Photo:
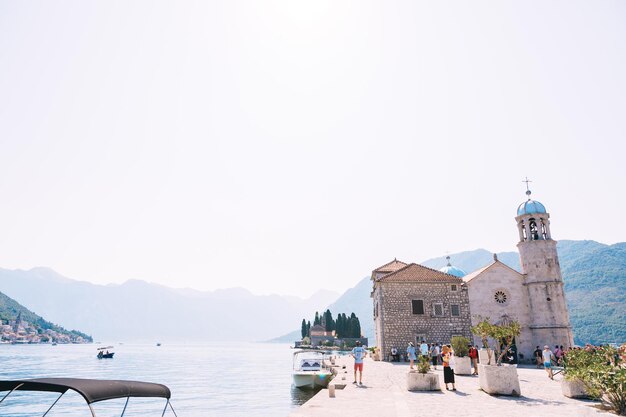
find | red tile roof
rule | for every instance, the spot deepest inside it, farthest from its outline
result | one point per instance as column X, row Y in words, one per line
column 419, row 273
column 391, row 266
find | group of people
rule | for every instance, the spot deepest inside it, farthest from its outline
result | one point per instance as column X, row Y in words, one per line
column 436, row 352
column 548, row 358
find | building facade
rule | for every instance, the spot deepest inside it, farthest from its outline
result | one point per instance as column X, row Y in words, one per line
column 414, row 303
column 534, row 297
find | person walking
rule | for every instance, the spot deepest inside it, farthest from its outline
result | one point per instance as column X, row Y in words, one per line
column 548, row 357
column 538, row 357
column 410, row 353
column 358, row 353
column 448, row 372
column 473, row 354
column 434, row 354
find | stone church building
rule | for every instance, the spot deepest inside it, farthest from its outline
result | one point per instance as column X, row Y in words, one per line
column 413, row 302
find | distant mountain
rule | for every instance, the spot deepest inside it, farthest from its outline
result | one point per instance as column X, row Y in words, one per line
column 11, row 311
column 595, row 287
column 141, row 311
column 594, row 275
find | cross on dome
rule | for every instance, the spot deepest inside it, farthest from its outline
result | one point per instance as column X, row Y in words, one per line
column 528, row 192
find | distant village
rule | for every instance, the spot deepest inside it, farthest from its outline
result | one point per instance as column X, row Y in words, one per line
column 19, row 331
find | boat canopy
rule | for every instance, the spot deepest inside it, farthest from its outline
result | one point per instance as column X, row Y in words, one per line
column 92, row 390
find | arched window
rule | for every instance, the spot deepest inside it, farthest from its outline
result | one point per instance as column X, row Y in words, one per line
column 534, row 232
column 544, row 229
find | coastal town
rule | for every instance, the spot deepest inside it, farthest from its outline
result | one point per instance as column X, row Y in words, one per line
column 20, row 331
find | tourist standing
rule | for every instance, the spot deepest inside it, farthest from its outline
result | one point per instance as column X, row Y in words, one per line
column 434, row 354
column 358, row 353
column 448, row 372
column 473, row 354
column 557, row 354
column 410, row 353
column 394, row 355
column 424, row 349
column 538, row 357
column 548, row 357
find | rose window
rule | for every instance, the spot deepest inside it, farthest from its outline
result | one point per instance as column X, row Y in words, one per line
column 500, row 297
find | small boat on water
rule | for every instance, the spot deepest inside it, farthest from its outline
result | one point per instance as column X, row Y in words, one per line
column 105, row 352
column 92, row 390
column 309, row 370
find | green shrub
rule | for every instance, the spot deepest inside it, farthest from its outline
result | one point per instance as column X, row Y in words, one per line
column 459, row 345
column 603, row 371
column 423, row 365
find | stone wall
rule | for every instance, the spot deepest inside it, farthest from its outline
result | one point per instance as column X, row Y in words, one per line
column 396, row 325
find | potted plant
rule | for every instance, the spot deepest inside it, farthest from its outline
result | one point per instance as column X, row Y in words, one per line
column 462, row 362
column 423, row 379
column 496, row 378
column 482, row 330
column 602, row 371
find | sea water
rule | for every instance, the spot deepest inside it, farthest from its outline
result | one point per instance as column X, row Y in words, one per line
column 216, row 379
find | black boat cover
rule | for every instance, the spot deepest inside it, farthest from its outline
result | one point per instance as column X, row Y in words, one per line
column 92, row 390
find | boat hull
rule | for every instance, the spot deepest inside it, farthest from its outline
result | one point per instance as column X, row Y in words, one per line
column 311, row 380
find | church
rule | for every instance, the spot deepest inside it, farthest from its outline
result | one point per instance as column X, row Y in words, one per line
column 414, row 303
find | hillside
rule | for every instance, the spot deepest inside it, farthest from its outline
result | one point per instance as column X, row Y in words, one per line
column 33, row 325
column 594, row 287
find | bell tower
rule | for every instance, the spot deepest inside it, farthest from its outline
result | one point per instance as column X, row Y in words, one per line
column 549, row 318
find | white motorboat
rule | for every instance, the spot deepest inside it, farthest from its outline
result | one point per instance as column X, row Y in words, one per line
column 309, row 370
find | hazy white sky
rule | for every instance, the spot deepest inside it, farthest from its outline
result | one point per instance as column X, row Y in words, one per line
column 286, row 146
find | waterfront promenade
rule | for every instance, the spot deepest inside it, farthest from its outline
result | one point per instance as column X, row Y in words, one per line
column 384, row 394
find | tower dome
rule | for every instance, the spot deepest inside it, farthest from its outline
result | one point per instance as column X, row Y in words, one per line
column 531, row 207
column 452, row 270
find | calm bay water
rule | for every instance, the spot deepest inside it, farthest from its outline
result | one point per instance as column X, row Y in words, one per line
column 217, row 379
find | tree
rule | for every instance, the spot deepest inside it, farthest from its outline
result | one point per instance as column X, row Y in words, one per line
column 308, row 328
column 317, row 319
column 357, row 327
column 328, row 321
column 303, row 331
column 339, row 326
column 503, row 334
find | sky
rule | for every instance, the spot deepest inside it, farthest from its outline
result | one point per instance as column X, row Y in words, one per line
column 286, row 146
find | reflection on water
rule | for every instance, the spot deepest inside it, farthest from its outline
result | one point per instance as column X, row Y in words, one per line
column 301, row 395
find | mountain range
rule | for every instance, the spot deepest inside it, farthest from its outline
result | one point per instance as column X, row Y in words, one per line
column 594, row 276
column 141, row 311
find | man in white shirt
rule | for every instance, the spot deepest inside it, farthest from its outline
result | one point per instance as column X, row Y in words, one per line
column 548, row 357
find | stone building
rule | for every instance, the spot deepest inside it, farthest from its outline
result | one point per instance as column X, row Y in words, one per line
column 534, row 297
column 414, row 303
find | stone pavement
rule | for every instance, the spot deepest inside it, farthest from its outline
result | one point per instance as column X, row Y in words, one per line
column 384, row 394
